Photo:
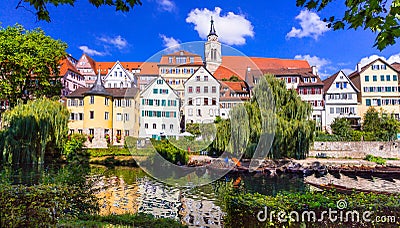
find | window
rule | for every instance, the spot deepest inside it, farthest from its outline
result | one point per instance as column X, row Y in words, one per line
column 163, row 126
column 375, row 67
column 394, row 77
column 382, row 77
column 126, row 116
column 80, row 131
column 374, row 78
column 383, row 67
column 155, row 91
column 205, row 78
column 366, row 78
column 190, row 101
column 368, row 102
column 337, row 84
column 154, row 126
column 146, row 125
column 91, row 131
column 91, row 115
column 106, row 99
column 191, row 59
column 190, row 89
column 305, row 80
column 214, row 89
column 198, row 112
column 331, row 110
column 198, row 101
column 205, row 101
column 214, row 101
column 163, row 103
column 126, row 132
column 119, row 116
column 80, row 116
column 106, row 114
column 197, row 78
column 91, row 100
column 205, row 89
column 387, row 77
column 190, row 112
column 197, row 89
column 170, row 60
column 81, row 102
column 159, row 81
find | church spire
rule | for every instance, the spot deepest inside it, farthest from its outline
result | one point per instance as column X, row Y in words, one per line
column 98, row 87
column 212, row 29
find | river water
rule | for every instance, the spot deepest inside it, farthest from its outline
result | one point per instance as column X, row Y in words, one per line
column 130, row 190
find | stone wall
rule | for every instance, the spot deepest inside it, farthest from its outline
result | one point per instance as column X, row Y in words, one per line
column 356, row 149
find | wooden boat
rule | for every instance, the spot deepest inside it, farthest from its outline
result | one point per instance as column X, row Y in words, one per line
column 346, row 190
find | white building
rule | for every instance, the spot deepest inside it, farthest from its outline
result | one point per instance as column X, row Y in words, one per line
column 340, row 100
column 119, row 77
column 71, row 79
column 201, row 97
column 159, row 110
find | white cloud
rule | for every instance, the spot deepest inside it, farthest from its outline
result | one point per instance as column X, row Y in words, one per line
column 170, row 42
column 118, row 41
column 392, row 59
column 166, row 5
column 314, row 60
column 311, row 26
column 231, row 28
column 91, row 52
column 347, row 71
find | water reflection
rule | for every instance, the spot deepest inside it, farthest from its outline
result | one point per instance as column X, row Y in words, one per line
column 123, row 190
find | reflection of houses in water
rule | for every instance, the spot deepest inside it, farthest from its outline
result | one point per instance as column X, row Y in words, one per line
column 200, row 213
column 149, row 196
column 115, row 196
column 158, row 199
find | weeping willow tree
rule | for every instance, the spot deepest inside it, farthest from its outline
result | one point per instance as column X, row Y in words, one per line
column 275, row 116
column 33, row 129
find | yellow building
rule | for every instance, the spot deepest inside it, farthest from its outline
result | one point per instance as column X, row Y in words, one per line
column 378, row 87
column 107, row 116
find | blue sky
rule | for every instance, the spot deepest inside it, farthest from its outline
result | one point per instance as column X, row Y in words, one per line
column 256, row 28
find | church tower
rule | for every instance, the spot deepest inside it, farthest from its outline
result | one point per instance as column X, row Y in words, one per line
column 212, row 50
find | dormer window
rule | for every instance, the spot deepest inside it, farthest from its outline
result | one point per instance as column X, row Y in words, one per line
column 313, row 79
column 375, row 67
column 306, row 80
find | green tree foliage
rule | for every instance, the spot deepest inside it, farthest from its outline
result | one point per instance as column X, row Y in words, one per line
column 33, row 129
column 29, row 64
column 341, row 127
column 380, row 126
column 289, row 121
column 73, row 148
column 42, row 12
column 380, row 16
column 193, row 128
column 170, row 152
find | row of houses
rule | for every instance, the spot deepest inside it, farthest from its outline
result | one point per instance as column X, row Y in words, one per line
column 154, row 99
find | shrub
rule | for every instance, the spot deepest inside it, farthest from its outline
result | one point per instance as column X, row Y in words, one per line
column 170, row 152
column 377, row 160
column 111, row 151
column 73, row 148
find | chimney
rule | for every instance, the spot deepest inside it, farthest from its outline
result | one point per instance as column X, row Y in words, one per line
column 359, row 67
column 314, row 70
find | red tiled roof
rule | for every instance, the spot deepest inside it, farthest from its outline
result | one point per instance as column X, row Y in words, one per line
column 149, row 68
column 127, row 65
column 66, row 65
column 235, row 86
column 240, row 64
column 396, row 66
column 224, row 73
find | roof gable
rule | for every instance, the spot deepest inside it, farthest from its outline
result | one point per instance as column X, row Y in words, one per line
column 328, row 82
column 199, row 70
column 115, row 68
column 148, row 89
